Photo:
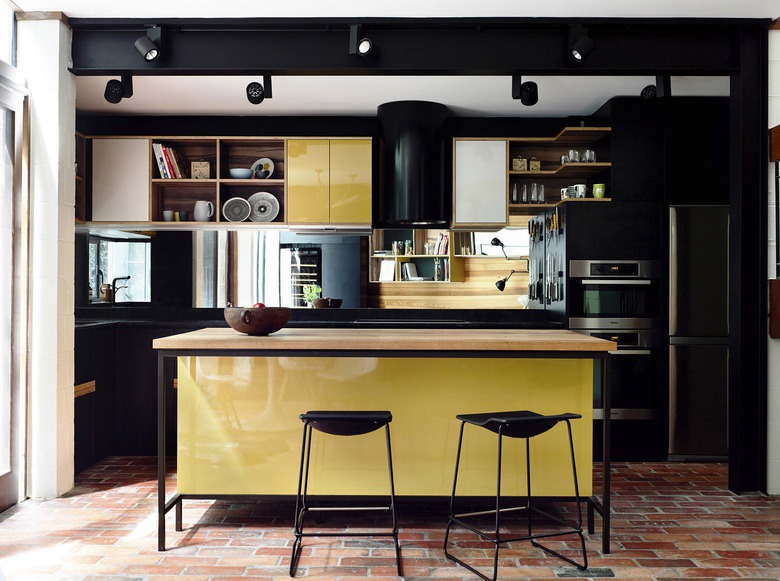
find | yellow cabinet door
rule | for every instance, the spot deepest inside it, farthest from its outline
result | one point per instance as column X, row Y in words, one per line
column 308, row 181
column 350, row 181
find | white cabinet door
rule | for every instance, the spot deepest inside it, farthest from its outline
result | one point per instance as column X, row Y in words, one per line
column 120, row 180
column 481, row 174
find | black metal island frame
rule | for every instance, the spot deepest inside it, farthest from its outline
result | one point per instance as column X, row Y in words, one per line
column 239, row 398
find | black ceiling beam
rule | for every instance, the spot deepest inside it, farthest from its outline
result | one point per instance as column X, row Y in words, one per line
column 410, row 47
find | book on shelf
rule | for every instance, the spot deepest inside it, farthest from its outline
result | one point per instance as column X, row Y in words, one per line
column 180, row 165
column 409, row 271
column 442, row 243
column 387, row 270
column 160, row 159
column 169, row 162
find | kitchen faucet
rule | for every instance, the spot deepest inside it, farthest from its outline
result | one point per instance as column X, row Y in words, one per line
column 114, row 288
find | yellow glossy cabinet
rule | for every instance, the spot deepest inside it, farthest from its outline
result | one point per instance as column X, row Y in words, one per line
column 329, row 181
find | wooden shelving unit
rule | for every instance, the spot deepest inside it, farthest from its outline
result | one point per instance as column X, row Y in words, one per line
column 552, row 174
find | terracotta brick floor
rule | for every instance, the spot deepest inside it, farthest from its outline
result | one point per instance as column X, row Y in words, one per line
column 671, row 521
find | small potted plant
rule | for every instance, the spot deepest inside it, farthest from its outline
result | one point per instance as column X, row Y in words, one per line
column 311, row 292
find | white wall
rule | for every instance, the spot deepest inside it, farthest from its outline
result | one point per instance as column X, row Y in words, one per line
column 43, row 50
column 773, row 355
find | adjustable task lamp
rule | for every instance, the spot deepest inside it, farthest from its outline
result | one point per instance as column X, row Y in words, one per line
column 501, row 284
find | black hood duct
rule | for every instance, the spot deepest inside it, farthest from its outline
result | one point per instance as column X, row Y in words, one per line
column 412, row 188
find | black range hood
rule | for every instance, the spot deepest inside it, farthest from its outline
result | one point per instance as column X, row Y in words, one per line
column 412, row 163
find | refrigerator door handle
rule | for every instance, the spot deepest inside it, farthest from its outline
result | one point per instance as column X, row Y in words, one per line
column 621, row 281
column 632, row 352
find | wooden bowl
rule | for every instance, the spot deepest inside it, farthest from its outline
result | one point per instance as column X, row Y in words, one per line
column 262, row 321
column 327, row 303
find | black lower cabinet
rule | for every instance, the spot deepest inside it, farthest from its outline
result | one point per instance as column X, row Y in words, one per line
column 119, row 418
column 136, row 389
column 93, row 411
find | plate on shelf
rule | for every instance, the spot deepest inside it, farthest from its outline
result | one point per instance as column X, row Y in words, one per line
column 263, row 164
column 236, row 210
column 264, row 207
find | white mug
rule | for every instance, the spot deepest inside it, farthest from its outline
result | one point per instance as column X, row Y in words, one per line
column 203, row 211
column 580, row 189
column 168, row 215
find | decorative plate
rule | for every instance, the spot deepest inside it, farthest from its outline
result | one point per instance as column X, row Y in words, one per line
column 236, row 210
column 263, row 164
column 264, row 207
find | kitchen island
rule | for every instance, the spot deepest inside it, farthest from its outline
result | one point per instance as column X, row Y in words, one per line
column 239, row 398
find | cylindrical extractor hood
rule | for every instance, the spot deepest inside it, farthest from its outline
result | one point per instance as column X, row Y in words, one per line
column 412, row 189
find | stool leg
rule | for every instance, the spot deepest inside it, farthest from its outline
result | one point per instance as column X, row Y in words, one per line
column 576, row 530
column 300, row 498
column 392, row 500
column 452, row 496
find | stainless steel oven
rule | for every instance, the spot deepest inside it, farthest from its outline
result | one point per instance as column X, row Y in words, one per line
column 615, row 294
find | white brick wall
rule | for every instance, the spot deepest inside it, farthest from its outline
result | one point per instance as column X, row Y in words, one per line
column 43, row 58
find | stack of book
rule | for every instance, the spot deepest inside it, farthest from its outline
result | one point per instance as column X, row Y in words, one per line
column 442, row 243
column 169, row 162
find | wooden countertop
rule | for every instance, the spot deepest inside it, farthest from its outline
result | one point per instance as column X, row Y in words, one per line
column 389, row 339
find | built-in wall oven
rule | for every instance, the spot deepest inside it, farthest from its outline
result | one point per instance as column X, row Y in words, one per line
column 619, row 300
column 616, row 294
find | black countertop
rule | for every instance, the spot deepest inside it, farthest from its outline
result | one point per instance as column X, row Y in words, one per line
column 367, row 318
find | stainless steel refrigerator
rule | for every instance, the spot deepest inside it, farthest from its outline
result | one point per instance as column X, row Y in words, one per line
column 698, row 332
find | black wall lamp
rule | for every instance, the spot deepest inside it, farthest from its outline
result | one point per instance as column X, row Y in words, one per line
column 149, row 45
column 527, row 92
column 118, row 90
column 501, row 284
column 360, row 45
column 580, row 44
column 256, row 92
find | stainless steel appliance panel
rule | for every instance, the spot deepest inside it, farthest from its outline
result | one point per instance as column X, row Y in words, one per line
column 698, row 383
column 698, row 271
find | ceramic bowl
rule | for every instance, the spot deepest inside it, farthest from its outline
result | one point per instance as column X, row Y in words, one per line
column 241, row 173
column 327, row 303
column 262, row 321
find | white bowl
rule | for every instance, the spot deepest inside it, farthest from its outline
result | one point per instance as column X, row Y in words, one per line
column 241, row 173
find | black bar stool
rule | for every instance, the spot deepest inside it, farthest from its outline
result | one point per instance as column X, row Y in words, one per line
column 341, row 423
column 518, row 424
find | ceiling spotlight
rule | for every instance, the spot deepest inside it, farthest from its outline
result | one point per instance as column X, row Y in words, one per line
column 149, row 45
column 662, row 88
column 648, row 92
column 527, row 92
column 118, row 90
column 580, row 44
column 360, row 45
column 256, row 92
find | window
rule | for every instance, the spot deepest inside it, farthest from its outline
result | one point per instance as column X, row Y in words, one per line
column 119, row 270
column 7, row 34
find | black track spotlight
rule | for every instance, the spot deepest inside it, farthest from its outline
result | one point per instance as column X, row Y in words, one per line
column 117, row 90
column 527, row 92
column 661, row 89
column 580, row 44
column 257, row 93
column 501, row 283
column 360, row 45
column 150, row 44
column 649, row 92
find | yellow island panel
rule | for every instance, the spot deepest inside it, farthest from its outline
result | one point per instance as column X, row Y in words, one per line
column 239, row 431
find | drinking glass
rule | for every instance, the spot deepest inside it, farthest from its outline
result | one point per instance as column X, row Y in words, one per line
column 534, row 194
column 590, row 156
column 541, row 194
column 574, row 156
column 525, row 193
